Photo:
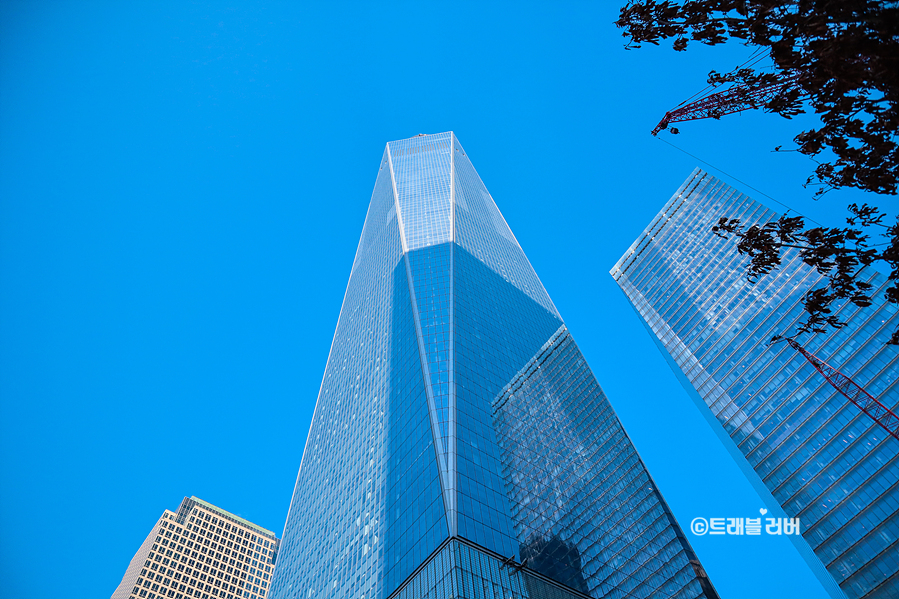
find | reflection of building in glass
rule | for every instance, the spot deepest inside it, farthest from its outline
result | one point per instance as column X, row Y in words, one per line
column 458, row 423
column 200, row 552
column 556, row 559
column 802, row 444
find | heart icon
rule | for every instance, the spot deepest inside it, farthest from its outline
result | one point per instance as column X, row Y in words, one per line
column 763, row 511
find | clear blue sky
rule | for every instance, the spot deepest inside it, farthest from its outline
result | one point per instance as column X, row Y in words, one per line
column 182, row 187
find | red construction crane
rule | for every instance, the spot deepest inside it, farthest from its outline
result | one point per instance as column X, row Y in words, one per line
column 734, row 99
column 864, row 400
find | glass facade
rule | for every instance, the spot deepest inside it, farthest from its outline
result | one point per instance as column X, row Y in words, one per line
column 460, row 445
column 802, row 444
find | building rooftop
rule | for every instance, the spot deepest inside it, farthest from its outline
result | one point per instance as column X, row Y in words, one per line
column 232, row 516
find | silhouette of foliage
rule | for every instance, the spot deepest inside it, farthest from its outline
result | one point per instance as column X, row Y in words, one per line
column 839, row 254
column 840, row 57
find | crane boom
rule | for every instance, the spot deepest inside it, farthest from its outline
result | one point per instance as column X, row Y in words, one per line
column 853, row 392
column 734, row 99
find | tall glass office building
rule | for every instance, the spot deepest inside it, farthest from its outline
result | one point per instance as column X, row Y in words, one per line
column 460, row 445
column 802, row 444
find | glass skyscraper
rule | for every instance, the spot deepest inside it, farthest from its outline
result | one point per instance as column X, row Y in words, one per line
column 460, row 445
column 803, row 445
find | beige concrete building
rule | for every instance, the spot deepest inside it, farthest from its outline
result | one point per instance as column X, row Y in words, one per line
column 201, row 552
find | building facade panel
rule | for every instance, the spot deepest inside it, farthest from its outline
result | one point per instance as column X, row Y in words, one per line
column 423, row 176
column 482, row 231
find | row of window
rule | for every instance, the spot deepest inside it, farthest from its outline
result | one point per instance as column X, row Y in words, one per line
column 206, row 520
column 157, row 577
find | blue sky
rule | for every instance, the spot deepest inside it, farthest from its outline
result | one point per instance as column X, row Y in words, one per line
column 182, row 187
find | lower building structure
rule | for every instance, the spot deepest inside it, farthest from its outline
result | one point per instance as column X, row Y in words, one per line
column 201, row 551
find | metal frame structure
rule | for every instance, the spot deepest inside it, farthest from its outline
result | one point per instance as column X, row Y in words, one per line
column 853, row 392
column 734, row 99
